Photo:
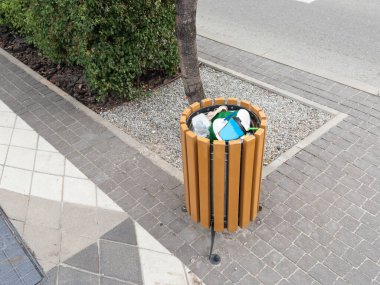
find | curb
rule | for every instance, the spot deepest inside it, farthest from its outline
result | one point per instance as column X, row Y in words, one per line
column 158, row 161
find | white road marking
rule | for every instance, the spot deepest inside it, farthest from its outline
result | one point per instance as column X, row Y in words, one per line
column 306, row 1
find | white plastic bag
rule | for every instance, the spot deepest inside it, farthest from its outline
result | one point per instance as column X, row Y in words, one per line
column 201, row 125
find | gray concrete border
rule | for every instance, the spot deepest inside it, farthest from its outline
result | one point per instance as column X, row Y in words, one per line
column 338, row 116
column 158, row 161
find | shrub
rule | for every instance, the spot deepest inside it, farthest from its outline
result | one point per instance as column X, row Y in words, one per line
column 115, row 42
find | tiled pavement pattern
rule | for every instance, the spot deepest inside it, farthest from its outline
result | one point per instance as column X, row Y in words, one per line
column 320, row 222
column 29, row 165
column 60, row 212
column 17, row 265
column 127, row 254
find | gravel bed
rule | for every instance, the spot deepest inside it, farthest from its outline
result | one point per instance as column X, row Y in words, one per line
column 153, row 119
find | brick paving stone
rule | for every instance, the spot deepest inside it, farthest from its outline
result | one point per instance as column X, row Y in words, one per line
column 268, row 276
column 294, row 253
column 273, row 258
column 285, row 267
column 306, row 243
column 356, row 277
column 214, row 278
column 252, row 264
column 300, row 278
column 353, row 257
column 370, row 269
column 234, row 272
column 306, row 262
column 261, row 248
column 289, row 231
column 369, row 250
column 338, row 265
column 171, row 241
column 249, row 280
column 322, row 274
column 186, row 254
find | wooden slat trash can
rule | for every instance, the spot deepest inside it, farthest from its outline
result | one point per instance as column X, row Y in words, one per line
column 222, row 179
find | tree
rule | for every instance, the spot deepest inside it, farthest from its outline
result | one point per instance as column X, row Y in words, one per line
column 186, row 33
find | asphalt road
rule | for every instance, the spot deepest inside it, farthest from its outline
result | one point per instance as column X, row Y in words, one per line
column 338, row 39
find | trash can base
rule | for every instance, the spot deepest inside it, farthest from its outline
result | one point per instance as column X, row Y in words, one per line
column 215, row 259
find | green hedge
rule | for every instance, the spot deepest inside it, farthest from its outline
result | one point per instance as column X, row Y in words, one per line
column 115, row 41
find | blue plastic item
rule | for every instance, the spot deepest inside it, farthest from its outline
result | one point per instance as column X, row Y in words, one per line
column 231, row 131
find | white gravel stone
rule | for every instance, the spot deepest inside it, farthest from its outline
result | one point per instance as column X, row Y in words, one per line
column 154, row 119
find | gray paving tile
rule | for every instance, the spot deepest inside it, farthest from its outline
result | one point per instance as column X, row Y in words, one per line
column 17, row 264
column 234, row 272
column 268, row 276
column 70, row 276
column 214, row 278
column 120, row 261
column 322, row 274
column 51, row 277
column 125, row 232
column 249, row 280
column 299, row 278
column 252, row 264
column 356, row 277
column 87, row 259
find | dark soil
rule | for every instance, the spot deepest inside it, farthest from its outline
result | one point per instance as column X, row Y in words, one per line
column 71, row 78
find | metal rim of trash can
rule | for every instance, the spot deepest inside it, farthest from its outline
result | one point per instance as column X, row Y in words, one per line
column 231, row 202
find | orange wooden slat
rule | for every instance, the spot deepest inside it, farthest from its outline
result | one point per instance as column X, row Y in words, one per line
column 234, row 156
column 206, row 102
column 257, row 170
column 263, row 124
column 204, row 180
column 245, row 104
column 219, row 101
column 187, row 112
column 232, row 101
column 255, row 109
column 218, row 185
column 262, row 115
column 246, row 181
column 192, row 168
column 182, row 120
column 195, row 107
column 183, row 130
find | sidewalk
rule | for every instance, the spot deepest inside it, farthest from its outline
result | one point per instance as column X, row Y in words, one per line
column 78, row 234
column 321, row 212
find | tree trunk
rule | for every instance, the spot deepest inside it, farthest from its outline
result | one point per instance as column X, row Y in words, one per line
column 186, row 32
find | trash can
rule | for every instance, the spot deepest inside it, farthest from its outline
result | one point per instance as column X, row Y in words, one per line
column 222, row 179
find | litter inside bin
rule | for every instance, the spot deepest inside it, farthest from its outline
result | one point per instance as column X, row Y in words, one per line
column 232, row 130
column 212, row 114
column 201, row 125
column 245, row 118
column 221, row 124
